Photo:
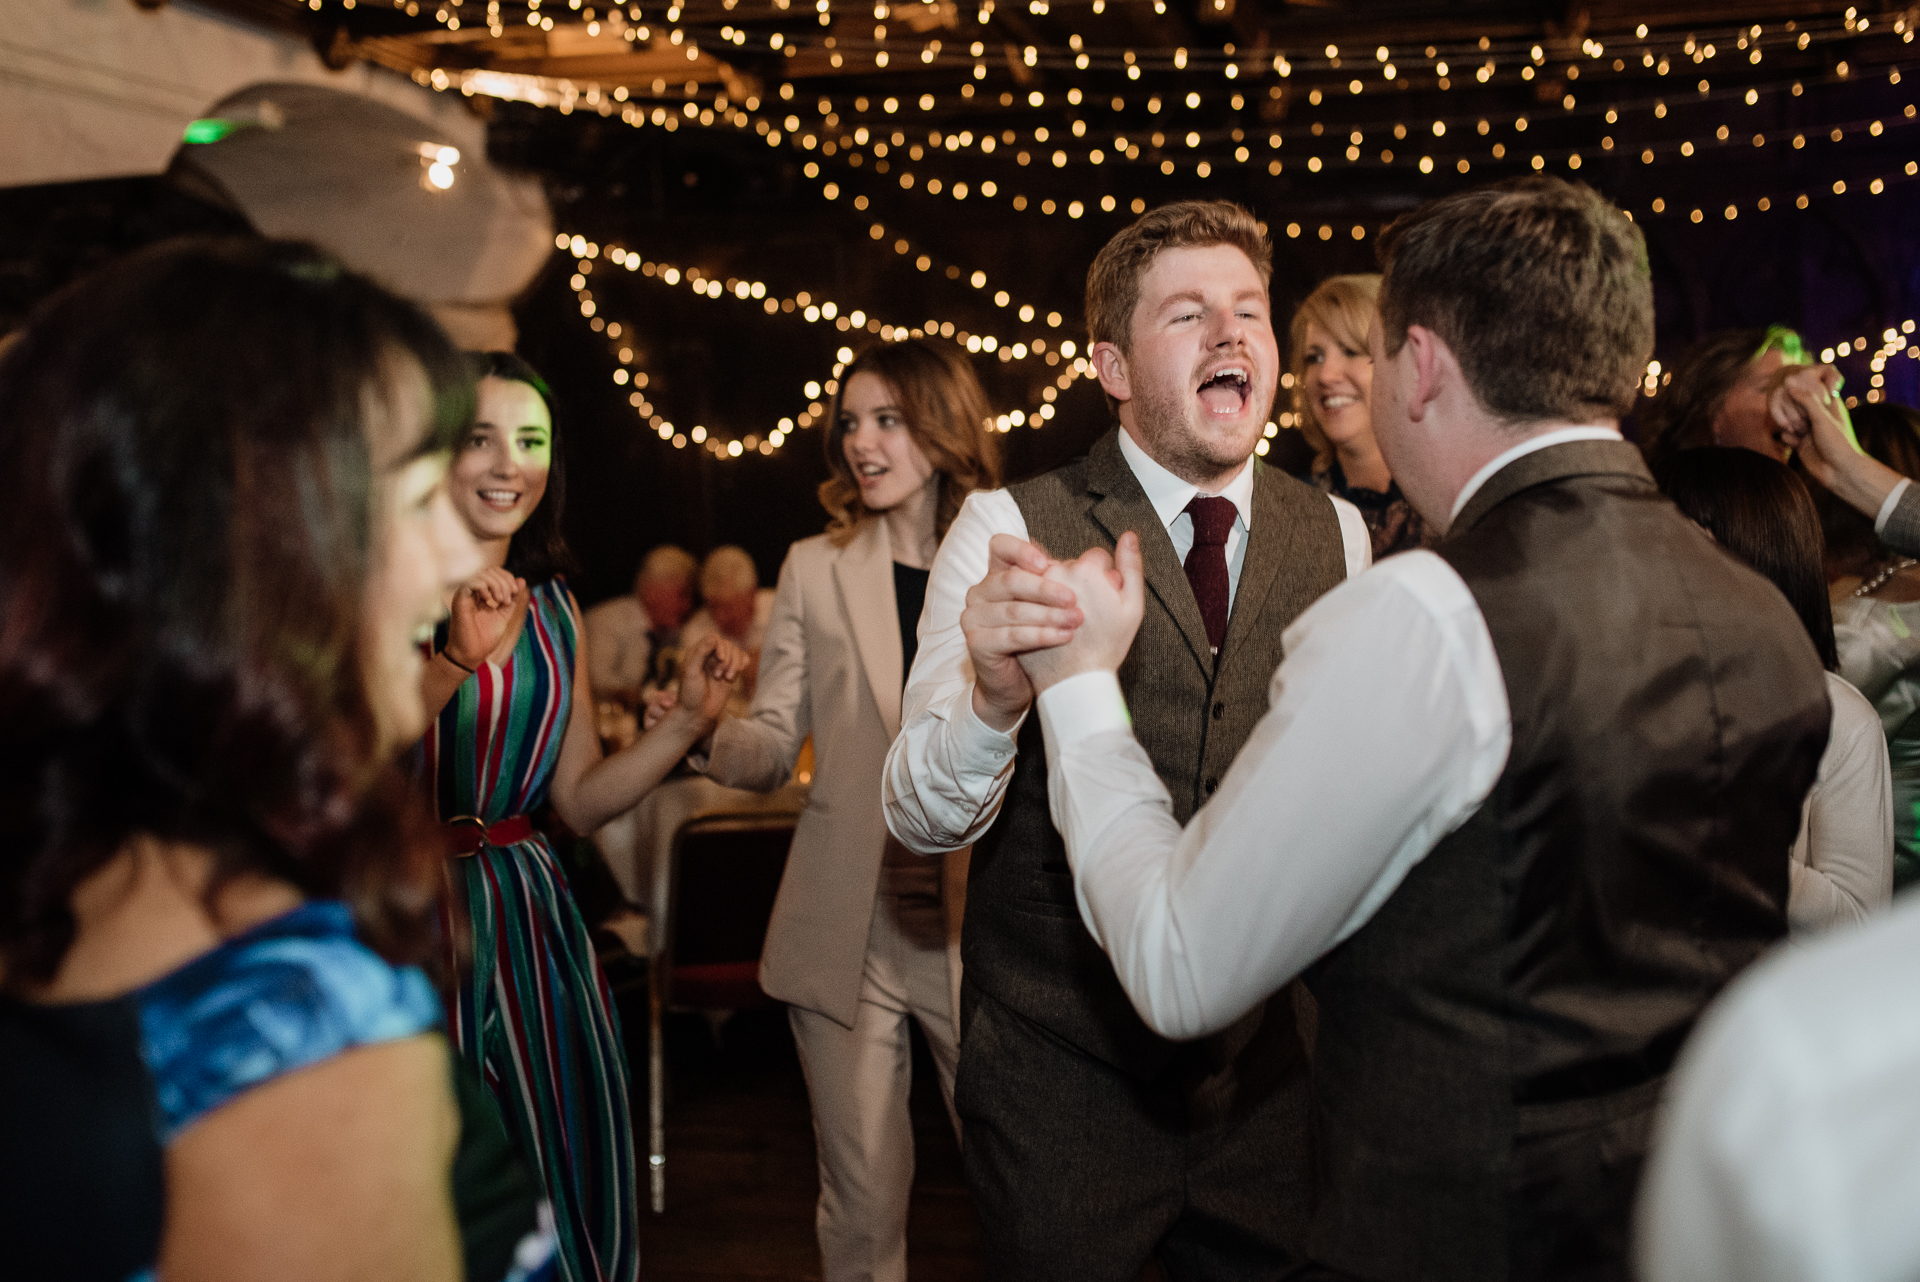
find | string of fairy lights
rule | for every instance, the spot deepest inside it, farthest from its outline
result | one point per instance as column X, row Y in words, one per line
column 1478, row 59
column 817, row 308
column 849, row 146
column 1895, row 341
column 864, row 146
column 1061, row 353
column 1572, row 159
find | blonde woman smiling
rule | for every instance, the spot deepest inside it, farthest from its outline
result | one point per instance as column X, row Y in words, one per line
column 1332, row 390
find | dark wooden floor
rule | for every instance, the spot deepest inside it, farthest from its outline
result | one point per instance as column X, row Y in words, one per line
column 741, row 1180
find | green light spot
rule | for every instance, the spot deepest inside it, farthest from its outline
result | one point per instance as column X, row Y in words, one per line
column 211, row 130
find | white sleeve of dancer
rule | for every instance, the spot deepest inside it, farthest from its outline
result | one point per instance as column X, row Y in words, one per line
column 1386, row 727
column 947, row 770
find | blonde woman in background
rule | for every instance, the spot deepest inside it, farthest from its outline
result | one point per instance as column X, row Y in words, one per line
column 1332, row 388
column 865, row 934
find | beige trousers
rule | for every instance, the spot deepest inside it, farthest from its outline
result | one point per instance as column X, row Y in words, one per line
column 858, row 1078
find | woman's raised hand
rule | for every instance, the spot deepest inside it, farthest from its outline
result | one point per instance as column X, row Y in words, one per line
column 483, row 610
column 1805, row 403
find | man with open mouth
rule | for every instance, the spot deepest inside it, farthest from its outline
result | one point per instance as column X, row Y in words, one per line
column 1092, row 1143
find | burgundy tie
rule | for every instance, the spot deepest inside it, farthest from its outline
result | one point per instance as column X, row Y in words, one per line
column 1207, row 562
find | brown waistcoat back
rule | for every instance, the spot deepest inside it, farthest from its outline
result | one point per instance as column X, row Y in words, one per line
column 1493, row 1041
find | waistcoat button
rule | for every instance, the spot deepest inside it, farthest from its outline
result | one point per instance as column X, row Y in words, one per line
column 1211, row 784
column 1219, row 710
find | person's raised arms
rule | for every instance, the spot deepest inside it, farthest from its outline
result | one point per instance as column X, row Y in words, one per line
column 1014, row 609
column 1805, row 402
column 1311, row 828
column 948, row 768
column 589, row 789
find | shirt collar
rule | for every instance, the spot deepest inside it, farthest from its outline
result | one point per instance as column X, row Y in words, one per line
column 1559, row 436
column 1170, row 495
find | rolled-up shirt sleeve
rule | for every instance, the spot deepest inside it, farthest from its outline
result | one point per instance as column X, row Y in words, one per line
column 1387, row 726
column 947, row 770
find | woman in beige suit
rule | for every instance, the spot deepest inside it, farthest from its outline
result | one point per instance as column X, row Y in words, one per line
column 865, row 934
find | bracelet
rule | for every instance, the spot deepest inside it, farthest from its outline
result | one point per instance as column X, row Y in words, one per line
column 456, row 663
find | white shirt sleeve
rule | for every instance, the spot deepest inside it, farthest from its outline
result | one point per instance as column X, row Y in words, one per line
column 1387, row 726
column 1842, row 865
column 1354, row 539
column 947, row 770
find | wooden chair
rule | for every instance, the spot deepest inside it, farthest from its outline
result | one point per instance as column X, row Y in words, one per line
column 713, row 898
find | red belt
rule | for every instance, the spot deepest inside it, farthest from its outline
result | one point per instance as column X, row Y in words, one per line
column 467, row 833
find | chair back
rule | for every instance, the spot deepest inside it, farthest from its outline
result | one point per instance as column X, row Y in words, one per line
column 726, row 871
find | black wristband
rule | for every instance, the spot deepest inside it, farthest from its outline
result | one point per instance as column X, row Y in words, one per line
column 456, row 663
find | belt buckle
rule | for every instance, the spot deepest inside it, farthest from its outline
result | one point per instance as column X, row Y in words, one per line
column 462, row 825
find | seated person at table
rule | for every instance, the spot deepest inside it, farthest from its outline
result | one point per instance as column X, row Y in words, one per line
column 634, row 640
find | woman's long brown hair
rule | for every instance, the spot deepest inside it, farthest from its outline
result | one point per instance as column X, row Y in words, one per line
column 946, row 412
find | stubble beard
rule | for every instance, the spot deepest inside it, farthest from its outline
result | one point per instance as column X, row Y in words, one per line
column 1166, row 417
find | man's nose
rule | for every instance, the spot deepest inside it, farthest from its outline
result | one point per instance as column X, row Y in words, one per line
column 1228, row 329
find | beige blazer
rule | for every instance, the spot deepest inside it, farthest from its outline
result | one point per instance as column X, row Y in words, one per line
column 831, row 667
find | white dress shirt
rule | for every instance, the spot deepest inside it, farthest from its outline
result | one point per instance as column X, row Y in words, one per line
column 947, row 769
column 1786, row 1148
column 1386, row 727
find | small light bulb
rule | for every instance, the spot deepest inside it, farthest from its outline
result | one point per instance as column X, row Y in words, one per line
column 440, row 175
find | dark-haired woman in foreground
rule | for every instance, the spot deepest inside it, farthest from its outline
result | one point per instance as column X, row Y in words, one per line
column 1757, row 509
column 532, row 1010
column 226, row 523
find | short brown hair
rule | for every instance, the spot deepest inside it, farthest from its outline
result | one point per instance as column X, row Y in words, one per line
column 1343, row 306
column 1113, row 282
column 946, row 412
column 1541, row 288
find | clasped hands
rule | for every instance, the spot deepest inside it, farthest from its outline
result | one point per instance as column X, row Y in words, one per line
column 1034, row 621
column 708, row 672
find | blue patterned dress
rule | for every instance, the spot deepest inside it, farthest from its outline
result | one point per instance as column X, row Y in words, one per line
column 290, row 993
column 534, row 1013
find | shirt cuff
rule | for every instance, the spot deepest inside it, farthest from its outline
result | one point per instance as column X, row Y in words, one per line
column 1080, row 707
column 979, row 746
column 1893, row 501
